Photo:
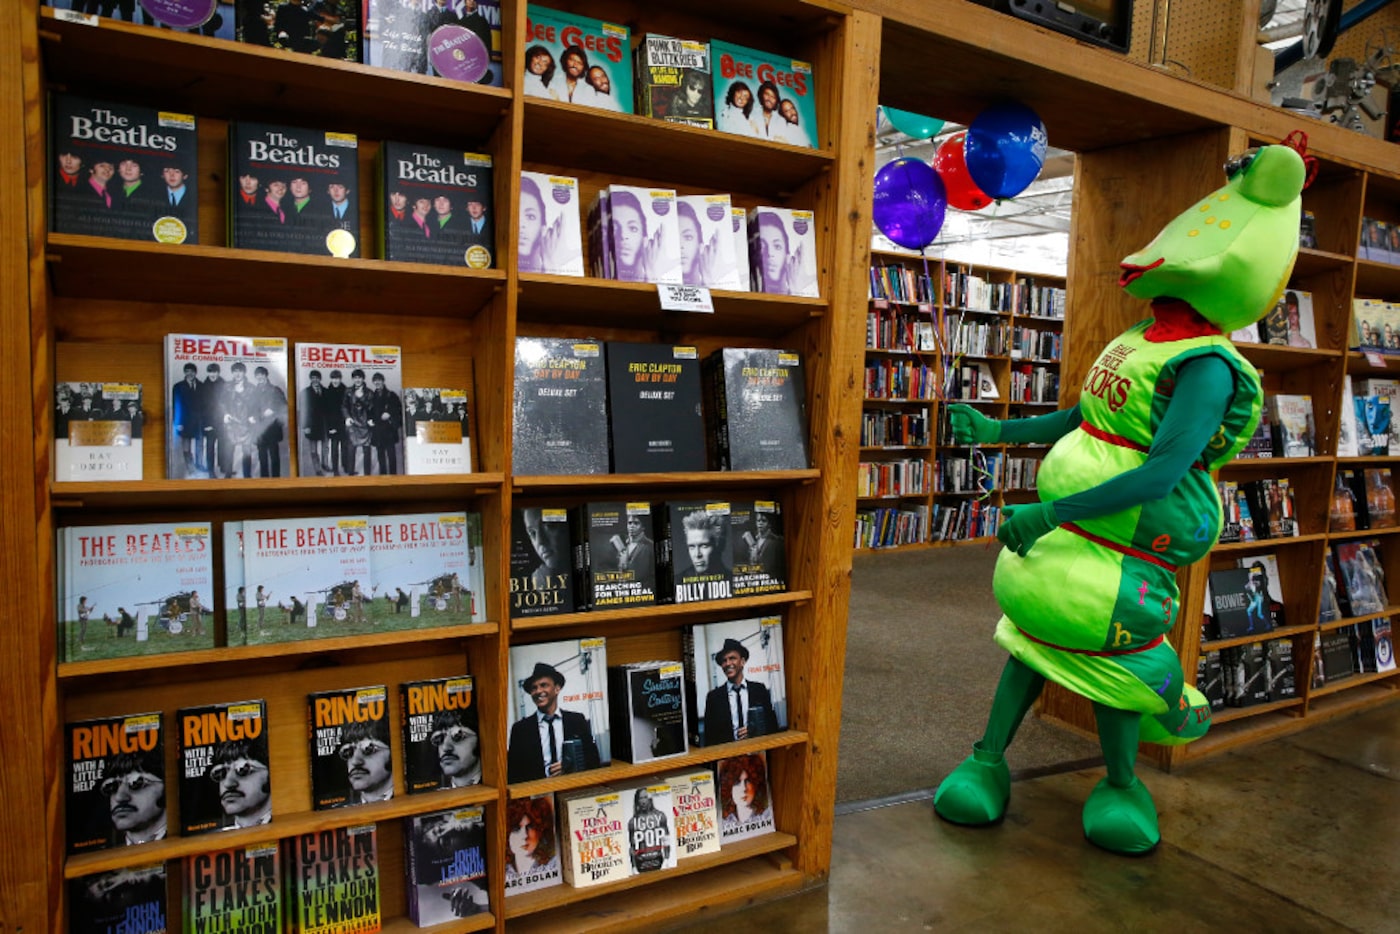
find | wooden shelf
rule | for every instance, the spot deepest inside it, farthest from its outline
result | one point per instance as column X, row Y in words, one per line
column 1311, row 262
column 1263, row 544
column 895, row 496
column 888, row 448
column 1283, row 632
column 1359, row 363
column 710, row 479
column 1273, row 464
column 133, row 270
column 875, row 401
column 1353, row 534
column 1377, row 280
column 1345, row 621
column 402, row 925
column 277, row 491
column 664, row 614
column 1229, row 714
column 1353, row 681
column 1273, row 357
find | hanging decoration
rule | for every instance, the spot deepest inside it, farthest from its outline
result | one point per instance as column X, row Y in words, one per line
column 951, row 166
column 912, row 125
column 1005, row 149
column 910, row 202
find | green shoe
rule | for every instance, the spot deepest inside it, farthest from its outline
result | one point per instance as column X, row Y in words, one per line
column 1122, row 820
column 976, row 792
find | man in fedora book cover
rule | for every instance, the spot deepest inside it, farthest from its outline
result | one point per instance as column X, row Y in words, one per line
column 547, row 742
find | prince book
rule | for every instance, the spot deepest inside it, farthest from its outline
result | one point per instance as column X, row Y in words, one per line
column 334, row 880
column 438, row 206
column 235, row 891
column 294, row 190
column 441, row 734
column 97, row 431
column 223, row 764
column 115, row 793
column 351, row 755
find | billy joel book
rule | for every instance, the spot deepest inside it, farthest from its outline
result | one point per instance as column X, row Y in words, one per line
column 293, row 190
column 437, row 430
column 352, row 758
column 655, row 423
column 369, row 420
column 541, row 562
column 560, row 408
column 127, row 900
column 426, row 570
column 97, row 431
column 224, row 768
column 116, row 170
column 757, row 417
column 441, row 734
column 334, row 880
column 577, row 60
column 234, row 891
column 763, row 95
column 694, row 809
column 648, row 710
column 760, row 551
column 673, row 80
column 115, row 794
column 438, row 206
column 697, row 558
column 446, row 865
column 614, row 555
column 307, row 578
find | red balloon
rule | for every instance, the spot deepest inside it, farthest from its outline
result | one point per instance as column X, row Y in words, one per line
column 951, row 166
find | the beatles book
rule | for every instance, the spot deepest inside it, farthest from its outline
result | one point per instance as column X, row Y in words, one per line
column 763, row 95
column 614, row 547
column 446, row 865
column 224, row 766
column 577, row 60
column 541, row 562
column 235, row 891
column 115, row 794
column 565, row 680
column 136, row 589
column 116, row 170
column 235, row 610
column 532, row 845
column 549, row 238
column 441, row 734
column 351, row 754
column 438, row 206
column 227, row 410
column 757, row 419
column 294, row 189
column 735, row 686
column 355, row 389
column 593, row 825
column 426, row 570
column 307, row 578
column 328, row 29
column 760, row 550
column 708, row 243
column 97, row 431
column 673, row 80
column 648, row 710
column 783, row 251
column 745, row 797
column 694, row 808
column 334, row 881
column 437, row 431
column 456, row 39
column 126, row 900
column 655, row 423
column 696, row 558
column 560, row 408
column 651, row 826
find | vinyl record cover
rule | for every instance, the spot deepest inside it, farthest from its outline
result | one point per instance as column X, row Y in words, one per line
column 335, row 880
column 757, row 419
column 614, row 547
column 352, row 759
column 708, row 243
column 330, row 29
column 97, row 431
column 371, row 409
column 651, row 826
column 441, row 734
column 765, row 96
column 655, row 420
column 648, row 710
column 132, row 899
column 457, row 39
column 783, row 252
column 593, row 825
column 224, row 768
column 673, row 80
column 532, row 845
column 744, row 653
column 745, row 797
column 425, row 570
column 115, row 792
column 293, row 189
column 693, row 806
column 549, row 235
column 697, row 562
column 541, row 562
column 560, row 407
column 116, row 170
column 568, row 679
column 236, row 891
column 437, row 431
column 307, row 577
column 577, row 60
column 760, row 550
column 438, row 206
column 446, row 865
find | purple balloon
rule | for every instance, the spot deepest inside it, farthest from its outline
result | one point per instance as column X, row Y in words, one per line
column 910, row 202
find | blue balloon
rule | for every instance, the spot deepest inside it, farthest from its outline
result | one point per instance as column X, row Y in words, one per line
column 912, row 125
column 1005, row 149
column 910, row 202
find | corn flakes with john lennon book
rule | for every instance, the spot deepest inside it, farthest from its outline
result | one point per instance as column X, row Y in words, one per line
column 437, row 206
column 334, row 881
column 763, row 95
column 577, row 60
column 235, row 891
column 294, row 190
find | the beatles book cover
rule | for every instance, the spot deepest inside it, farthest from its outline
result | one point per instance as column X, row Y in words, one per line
column 549, row 239
column 326, row 29
column 349, row 409
column 745, row 797
column 224, row 767
column 116, row 170
column 764, row 96
column 211, row 18
column 136, row 589
column 446, row 865
column 783, row 252
column 593, row 825
column 708, row 242
column 335, row 880
column 426, row 570
column 757, row 419
column 293, row 189
column 735, row 684
column 541, row 562
column 760, row 550
column 648, row 710
column 651, row 826
column 131, row 899
column 696, row 559
column 456, row 39
column 352, row 758
column 437, row 206
column 441, row 734
column 437, row 431
column 235, row 891
column 693, row 806
column 654, row 415
column 532, row 845
column 307, row 577
column 577, row 60
column 567, row 679
column 226, row 415
column 560, row 408
column 116, row 788
column 235, row 609
column 673, row 80
column 97, row 431
column 614, row 555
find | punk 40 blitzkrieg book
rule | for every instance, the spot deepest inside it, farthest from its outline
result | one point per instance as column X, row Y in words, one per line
column 351, row 755
column 294, row 190
column 224, row 767
column 673, row 80
column 438, row 206
column 116, row 787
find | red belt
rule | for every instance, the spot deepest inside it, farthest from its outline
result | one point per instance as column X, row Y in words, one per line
column 1122, row 442
column 1115, row 546
column 1099, row 653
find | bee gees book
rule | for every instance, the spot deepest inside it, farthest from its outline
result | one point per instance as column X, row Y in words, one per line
column 456, row 39
column 673, row 80
column 225, row 780
column 97, row 431
column 307, row 578
column 560, row 408
column 763, row 95
column 654, row 417
column 116, row 788
column 532, row 845
column 294, row 190
column 351, row 754
column 131, row 899
column 577, row 60
column 446, row 856
column 116, row 170
column 696, row 557
column 369, row 421
column 426, row 570
column 541, row 562
column 614, row 547
column 760, row 550
column 441, row 734
column 437, row 431
column 648, row 710
column 437, row 206
column 335, row 880
column 757, row 419
column 235, row 891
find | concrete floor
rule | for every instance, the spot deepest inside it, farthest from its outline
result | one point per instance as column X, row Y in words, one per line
column 1301, row 834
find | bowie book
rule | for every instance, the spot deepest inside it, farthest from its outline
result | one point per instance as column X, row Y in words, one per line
column 97, row 431
column 757, row 416
column 577, row 60
column 760, row 552
column 694, row 808
column 131, row 900
column 446, row 865
column 334, row 880
column 655, row 423
column 614, row 547
column 763, row 95
column 426, row 570
column 438, row 206
column 330, row 29
column 651, row 825
column 456, row 39
column 293, row 189
column 567, row 679
column 441, row 734
column 593, row 825
column 560, row 408
column 541, row 562
column 532, row 845
column 370, row 416
column 351, row 755
column 136, row 589
column 1230, row 601
column 116, row 170
column 648, row 710
column 633, row 235
column 234, row 891
column 745, row 797
column 746, row 654
column 223, row 763
column 708, row 243
column 437, row 431
column 235, row 594
column 1265, row 590
column 783, row 251
column 549, row 237
column 307, row 578
column 232, row 422
column 116, row 789
column 672, row 80
column 696, row 558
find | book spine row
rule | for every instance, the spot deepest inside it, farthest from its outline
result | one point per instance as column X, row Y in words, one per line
column 978, row 338
column 900, row 379
column 893, row 478
column 964, row 521
column 894, row 429
column 1037, row 345
column 889, row 527
column 900, row 284
column 1030, row 383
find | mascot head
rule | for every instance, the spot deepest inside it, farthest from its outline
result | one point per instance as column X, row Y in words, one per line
column 1229, row 255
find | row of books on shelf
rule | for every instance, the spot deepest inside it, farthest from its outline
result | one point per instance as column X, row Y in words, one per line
column 1257, row 509
column 888, row 527
column 1020, row 473
column 910, row 477
column 1380, row 241
column 901, row 379
column 1023, row 297
column 898, row 329
column 1362, row 648
column 887, row 428
column 974, row 382
column 975, row 472
column 979, row 338
column 1245, row 675
column 1034, row 383
column 1365, row 428
column 899, row 283
column 1036, row 345
column 1362, row 499
column 1286, row 428
column 1290, row 323
column 968, row 519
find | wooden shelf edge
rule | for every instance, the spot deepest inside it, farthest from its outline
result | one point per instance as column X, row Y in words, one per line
column 481, row 922
column 1283, row 632
column 1266, row 543
column 670, row 610
column 529, row 484
column 1354, row 681
column 67, row 494
column 1390, row 610
column 1234, row 714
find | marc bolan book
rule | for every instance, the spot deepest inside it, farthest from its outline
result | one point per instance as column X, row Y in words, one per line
column 234, row 891
column 136, row 589
column 128, row 900
column 567, row 679
column 709, row 247
column 633, row 235
column 116, row 789
column 116, row 170
column 97, row 431
column 307, row 578
column 441, row 734
column 330, row 29
column 437, row 431
column 651, row 826
column 293, row 190
column 764, row 96
column 224, row 766
column 673, row 80
column 757, row 419
column 352, row 758
column 426, row 570
column 745, row 797
column 648, row 710
column 655, row 420
column 560, row 408
column 541, row 562
column 532, row 845
column 593, row 825
column 694, row 808
column 334, row 880
column 746, row 654
column 697, row 552
column 614, row 546
column 577, row 60
column 363, row 434
column 437, row 207
column 226, row 414
column 446, row 865
column 456, row 39
column 783, row 251
column 549, row 237
column 760, row 548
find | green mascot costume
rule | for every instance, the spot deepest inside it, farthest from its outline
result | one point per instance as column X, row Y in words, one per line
column 1087, row 581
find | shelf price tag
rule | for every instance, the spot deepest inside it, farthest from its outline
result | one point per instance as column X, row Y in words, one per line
column 1375, row 359
column 685, row 298
column 73, row 16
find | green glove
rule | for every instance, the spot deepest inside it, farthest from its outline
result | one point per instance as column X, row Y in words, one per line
column 972, row 427
column 1022, row 525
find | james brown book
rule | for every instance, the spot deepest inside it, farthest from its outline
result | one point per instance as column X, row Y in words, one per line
column 614, row 555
